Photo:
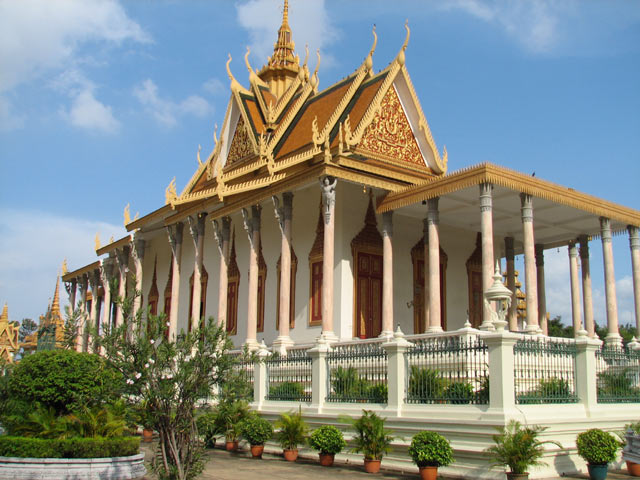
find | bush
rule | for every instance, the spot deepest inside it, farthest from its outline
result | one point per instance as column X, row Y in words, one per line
column 69, row 448
column 425, row 384
column 347, row 384
column 292, row 430
column 287, row 391
column 371, row 439
column 256, row 430
column 430, row 449
column 597, row 447
column 209, row 427
column 378, row 393
column 327, row 440
column 459, row 392
column 64, row 380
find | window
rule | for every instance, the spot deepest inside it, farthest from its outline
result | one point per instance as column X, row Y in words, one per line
column 262, row 281
column 474, row 276
column 153, row 291
column 292, row 292
column 233, row 276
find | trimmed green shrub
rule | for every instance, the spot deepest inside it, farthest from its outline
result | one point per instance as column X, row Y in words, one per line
column 64, row 380
column 327, row 440
column 425, row 384
column 378, row 393
column 69, row 448
column 287, row 391
column 459, row 392
column 430, row 449
column 597, row 447
column 256, row 430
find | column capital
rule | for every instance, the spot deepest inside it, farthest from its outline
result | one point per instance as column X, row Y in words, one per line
column 573, row 250
column 222, row 233
column 106, row 270
column 122, row 256
column 328, row 186
column 539, row 249
column 82, row 282
column 509, row 247
column 174, row 233
column 138, row 246
column 526, row 207
column 94, row 281
column 387, row 224
column 634, row 237
column 486, row 193
column 605, row 229
column 70, row 285
column 584, row 246
column 433, row 216
column 196, row 225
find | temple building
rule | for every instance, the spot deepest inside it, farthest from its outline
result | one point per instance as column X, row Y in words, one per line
column 332, row 212
column 8, row 336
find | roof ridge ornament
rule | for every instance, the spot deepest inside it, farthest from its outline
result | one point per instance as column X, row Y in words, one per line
column 235, row 85
column 314, row 77
column 401, row 58
column 369, row 59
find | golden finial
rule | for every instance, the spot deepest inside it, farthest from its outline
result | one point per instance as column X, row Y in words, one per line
column 97, row 242
column 65, row 269
column 127, row 214
column 369, row 60
column 314, row 77
column 55, row 304
column 400, row 57
column 4, row 318
column 306, row 55
column 246, row 60
column 215, row 135
column 235, row 86
column 170, row 193
column 198, row 155
column 111, row 239
column 136, row 216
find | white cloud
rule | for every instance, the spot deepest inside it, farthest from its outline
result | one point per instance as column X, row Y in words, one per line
column 533, row 24
column 165, row 111
column 30, row 265
column 310, row 24
column 214, row 86
column 89, row 113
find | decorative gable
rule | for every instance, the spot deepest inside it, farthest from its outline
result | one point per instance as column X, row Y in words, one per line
column 240, row 145
column 389, row 135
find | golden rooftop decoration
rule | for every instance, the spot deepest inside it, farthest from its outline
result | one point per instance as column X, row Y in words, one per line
column 97, row 241
column 127, row 214
column 8, row 336
column 65, row 268
column 170, row 193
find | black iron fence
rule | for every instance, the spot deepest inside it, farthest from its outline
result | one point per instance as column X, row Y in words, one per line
column 618, row 375
column 289, row 377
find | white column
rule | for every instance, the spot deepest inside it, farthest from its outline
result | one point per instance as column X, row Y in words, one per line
column 426, row 317
column 387, row 274
column 542, row 296
column 512, row 315
column 82, row 320
column 575, row 289
column 486, row 229
column 70, row 287
column 106, row 272
column 587, row 301
column 634, row 244
column 122, row 256
column 319, row 373
column 586, row 387
column 94, row 283
column 328, row 185
column 223, row 235
column 434, row 266
column 260, row 376
column 137, row 252
column 613, row 336
column 252, row 227
column 531, row 283
column 501, row 371
column 396, row 347
column 284, row 216
column 174, row 232
column 196, row 228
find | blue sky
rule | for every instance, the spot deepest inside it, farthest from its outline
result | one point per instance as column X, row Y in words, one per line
column 102, row 103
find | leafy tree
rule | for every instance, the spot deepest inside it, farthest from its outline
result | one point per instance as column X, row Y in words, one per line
column 171, row 376
column 72, row 322
column 27, row 327
column 64, row 380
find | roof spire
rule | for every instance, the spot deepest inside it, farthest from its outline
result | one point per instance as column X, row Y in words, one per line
column 5, row 314
column 55, row 304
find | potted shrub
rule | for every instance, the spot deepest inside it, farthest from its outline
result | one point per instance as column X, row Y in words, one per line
column 328, row 441
column 371, row 439
column 145, row 419
column 430, row 450
column 230, row 416
column 518, row 448
column 292, row 432
column 257, row 431
column 631, row 452
column 598, row 448
column 209, row 427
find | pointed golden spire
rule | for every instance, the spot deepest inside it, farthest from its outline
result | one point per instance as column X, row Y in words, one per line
column 4, row 318
column 55, row 304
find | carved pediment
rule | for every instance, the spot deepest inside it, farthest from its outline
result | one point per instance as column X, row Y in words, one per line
column 240, row 145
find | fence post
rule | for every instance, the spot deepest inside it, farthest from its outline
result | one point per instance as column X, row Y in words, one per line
column 586, row 371
column 501, row 370
column 319, row 374
column 396, row 347
column 260, row 376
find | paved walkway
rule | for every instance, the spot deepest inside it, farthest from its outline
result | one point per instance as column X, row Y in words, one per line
column 223, row 465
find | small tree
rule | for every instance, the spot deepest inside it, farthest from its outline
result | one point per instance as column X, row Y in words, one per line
column 171, row 376
column 27, row 327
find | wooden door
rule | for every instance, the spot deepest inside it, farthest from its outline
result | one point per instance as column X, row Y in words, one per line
column 369, row 295
column 418, row 296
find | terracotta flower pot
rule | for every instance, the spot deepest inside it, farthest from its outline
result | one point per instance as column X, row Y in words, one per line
column 290, row 455
column 517, row 476
column 371, row 466
column 326, row 459
column 147, row 435
column 231, row 446
column 428, row 473
column 633, row 469
column 256, row 451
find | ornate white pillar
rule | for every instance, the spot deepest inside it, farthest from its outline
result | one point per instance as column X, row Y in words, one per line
column 196, row 228
column 284, row 216
column 122, row 256
column 137, row 253
column 529, row 264
column 613, row 336
column 252, row 226
column 328, row 185
column 174, row 232
column 433, row 220
column 223, row 234
column 94, row 283
column 634, row 244
column 426, row 318
column 70, row 287
column 587, row 300
column 486, row 229
column 106, row 272
column 575, row 289
column 81, row 327
column 512, row 315
column 387, row 275
column 542, row 295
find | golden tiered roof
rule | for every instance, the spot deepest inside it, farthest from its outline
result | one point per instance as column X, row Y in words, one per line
column 368, row 128
column 8, row 336
column 50, row 322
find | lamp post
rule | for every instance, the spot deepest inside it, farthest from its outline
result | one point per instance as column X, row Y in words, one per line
column 501, row 296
